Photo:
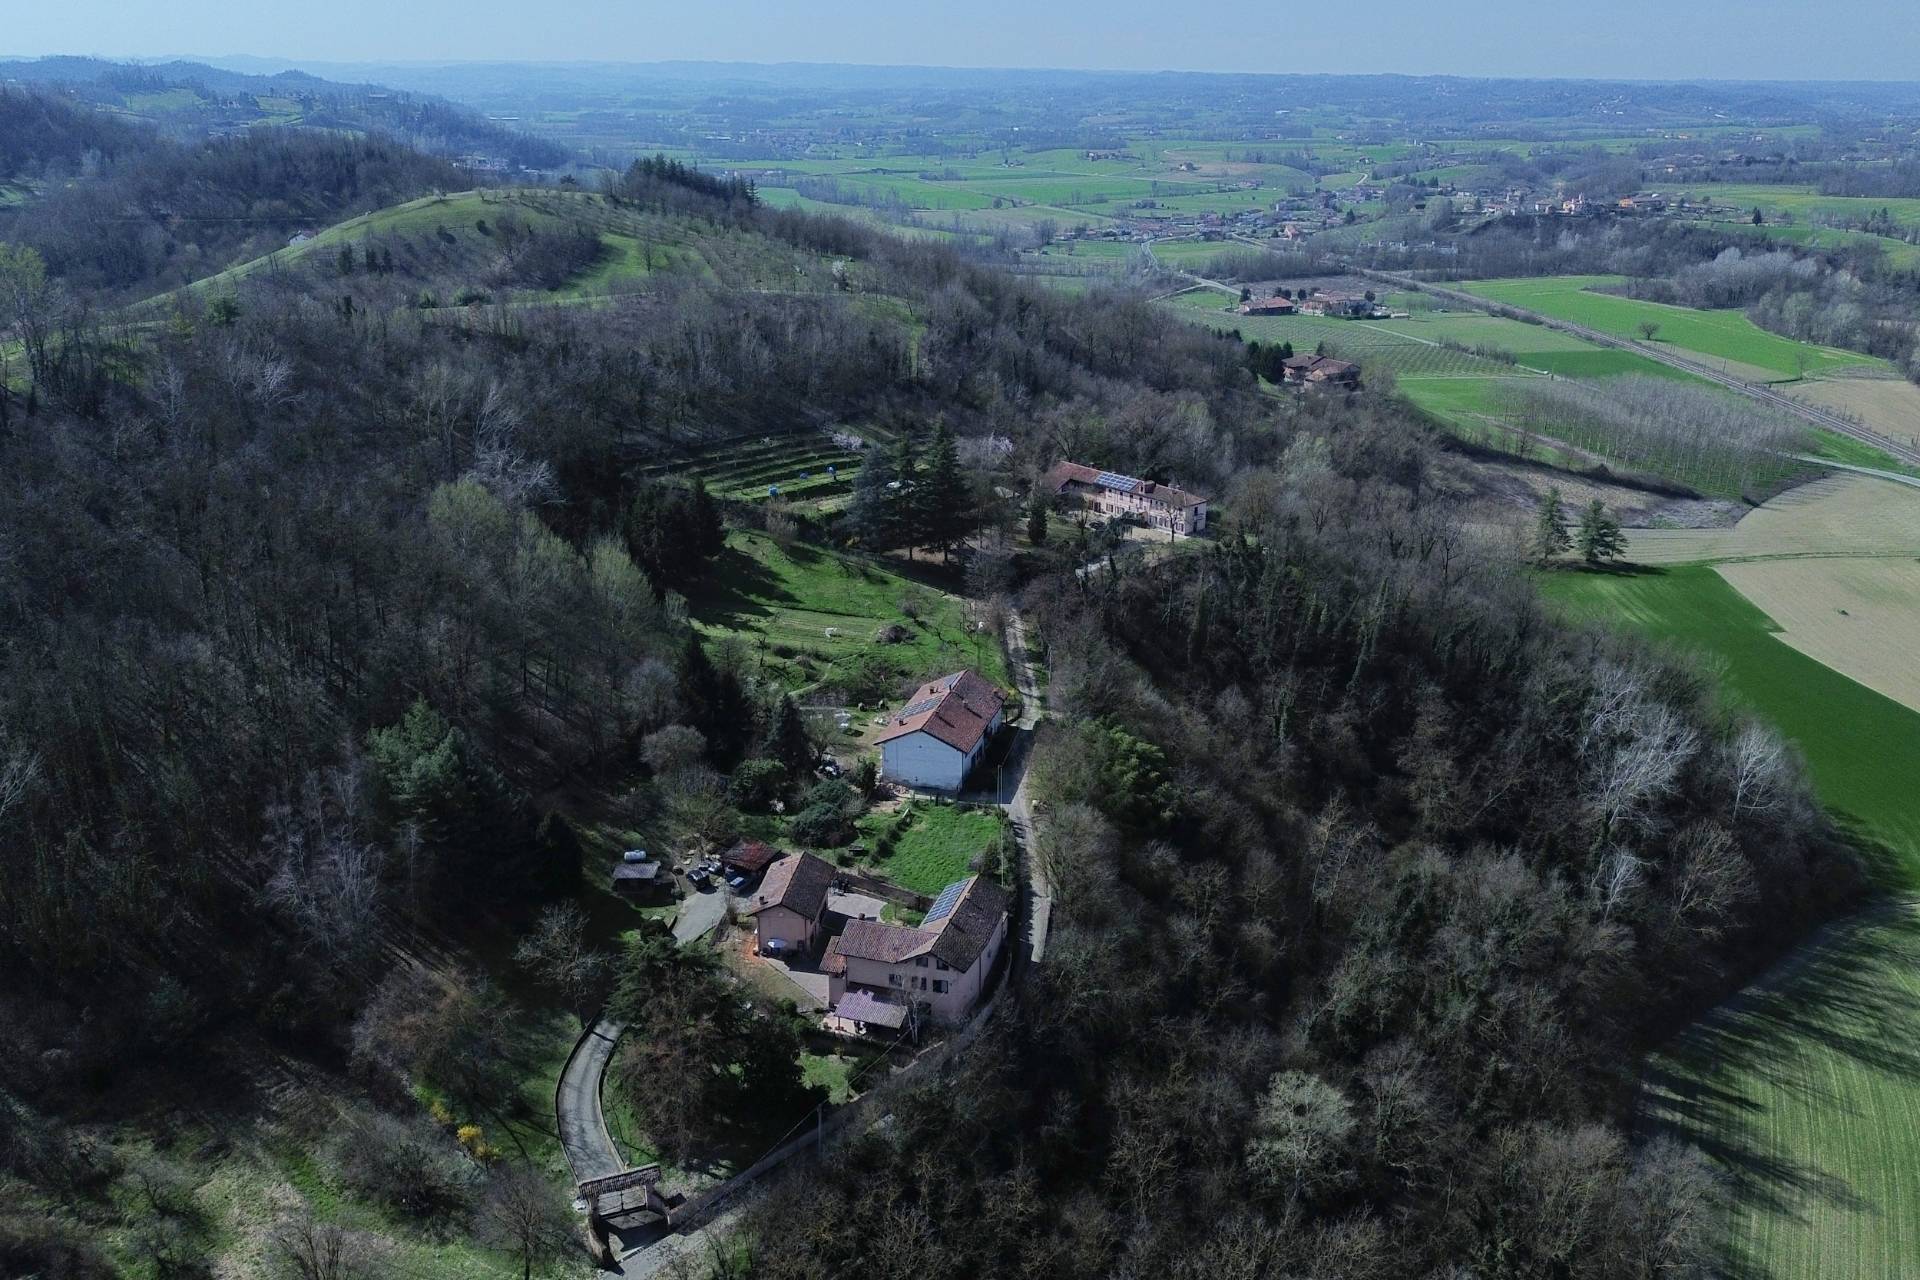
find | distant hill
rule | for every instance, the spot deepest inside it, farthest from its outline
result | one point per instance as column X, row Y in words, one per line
column 120, row 208
column 189, row 100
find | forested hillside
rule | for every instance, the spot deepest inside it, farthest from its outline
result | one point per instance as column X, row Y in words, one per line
column 1370, row 882
column 189, row 100
column 146, row 217
column 322, row 605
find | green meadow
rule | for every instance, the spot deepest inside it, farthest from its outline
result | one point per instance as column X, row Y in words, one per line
column 1722, row 335
column 1805, row 1092
column 805, row 614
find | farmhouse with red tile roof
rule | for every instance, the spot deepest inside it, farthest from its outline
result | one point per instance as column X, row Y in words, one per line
column 877, row 971
column 942, row 732
column 1159, row 505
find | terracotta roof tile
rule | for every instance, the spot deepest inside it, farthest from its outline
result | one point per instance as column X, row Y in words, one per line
column 886, row 943
column 954, row 709
column 798, row 882
column 1164, row 495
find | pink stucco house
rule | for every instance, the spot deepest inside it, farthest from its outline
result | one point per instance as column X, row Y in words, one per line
column 877, row 973
column 1158, row 506
column 787, row 907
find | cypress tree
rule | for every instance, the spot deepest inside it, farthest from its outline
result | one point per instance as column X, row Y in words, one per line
column 946, row 514
column 1037, row 517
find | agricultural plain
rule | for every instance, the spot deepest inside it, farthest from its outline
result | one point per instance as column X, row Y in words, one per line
column 1726, row 338
column 1890, row 405
column 1805, row 1091
column 1859, row 617
column 1839, row 516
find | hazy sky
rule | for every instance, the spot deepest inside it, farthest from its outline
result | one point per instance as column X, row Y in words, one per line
column 1643, row 39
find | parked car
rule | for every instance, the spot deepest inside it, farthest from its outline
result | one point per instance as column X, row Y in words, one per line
column 634, row 855
column 736, row 882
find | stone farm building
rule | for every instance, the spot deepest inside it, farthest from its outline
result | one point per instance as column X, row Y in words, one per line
column 1159, row 505
column 1322, row 371
column 936, row 739
column 878, row 972
column 1267, row 307
column 1341, row 306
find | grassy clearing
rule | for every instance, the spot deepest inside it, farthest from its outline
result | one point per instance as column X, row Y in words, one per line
column 938, row 848
column 1834, row 447
column 1841, row 515
column 1858, row 617
column 1722, row 335
column 1806, row 1091
column 1807, row 205
column 1862, row 749
column 782, row 603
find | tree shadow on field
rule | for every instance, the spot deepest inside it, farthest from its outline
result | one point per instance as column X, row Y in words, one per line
column 1771, row 1049
column 1619, row 569
column 738, row 587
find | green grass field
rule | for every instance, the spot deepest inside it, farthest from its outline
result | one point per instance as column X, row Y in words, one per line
column 782, row 603
column 1722, row 335
column 1862, row 749
column 1807, row 205
column 1805, row 1090
column 937, row 849
column 1898, row 252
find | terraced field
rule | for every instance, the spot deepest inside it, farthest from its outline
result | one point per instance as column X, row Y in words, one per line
column 805, row 467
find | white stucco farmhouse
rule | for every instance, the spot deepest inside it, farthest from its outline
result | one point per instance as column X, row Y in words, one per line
column 942, row 732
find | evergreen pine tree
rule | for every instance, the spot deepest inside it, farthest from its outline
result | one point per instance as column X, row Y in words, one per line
column 869, row 515
column 947, row 514
column 1599, row 538
column 1037, row 517
column 787, row 741
column 709, row 531
column 699, row 685
column 1550, row 529
column 903, row 523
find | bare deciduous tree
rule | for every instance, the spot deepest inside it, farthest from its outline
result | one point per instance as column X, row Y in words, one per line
column 523, row 1215
column 304, row 1248
column 558, row 954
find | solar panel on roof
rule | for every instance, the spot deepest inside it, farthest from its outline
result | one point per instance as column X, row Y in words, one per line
column 1114, row 480
column 925, row 704
column 943, row 905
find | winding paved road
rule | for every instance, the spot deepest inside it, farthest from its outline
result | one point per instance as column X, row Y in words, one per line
column 583, row 1126
column 591, row 1151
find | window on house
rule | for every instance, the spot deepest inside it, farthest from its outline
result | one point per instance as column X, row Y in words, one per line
column 941, row 965
column 920, row 984
column 940, row 987
column 919, row 962
column 895, row 980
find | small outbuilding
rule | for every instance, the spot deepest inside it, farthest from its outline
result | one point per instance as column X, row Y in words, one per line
column 787, row 907
column 641, row 882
